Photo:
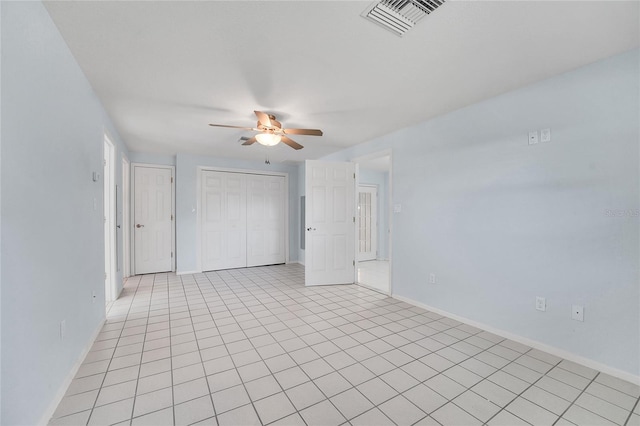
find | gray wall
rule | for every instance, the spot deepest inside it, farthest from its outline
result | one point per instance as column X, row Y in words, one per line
column 186, row 203
column 501, row 222
column 52, row 238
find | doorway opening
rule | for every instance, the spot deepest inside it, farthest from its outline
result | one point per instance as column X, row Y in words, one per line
column 109, row 206
column 373, row 260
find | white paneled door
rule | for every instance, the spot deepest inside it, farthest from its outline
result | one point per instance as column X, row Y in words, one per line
column 265, row 220
column 153, row 219
column 330, row 223
column 242, row 220
column 223, row 226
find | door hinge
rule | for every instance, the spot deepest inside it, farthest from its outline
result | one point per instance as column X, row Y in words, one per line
column 171, row 179
column 354, row 263
column 105, row 275
column 354, row 175
column 104, row 163
column 354, row 219
column 171, row 217
column 171, row 254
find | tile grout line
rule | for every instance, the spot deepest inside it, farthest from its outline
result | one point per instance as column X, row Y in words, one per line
column 215, row 414
column 242, row 291
column 231, row 357
column 523, row 391
column 112, row 356
column 262, row 360
column 144, row 342
column 626, row 423
column 576, row 398
column 398, row 367
column 379, row 376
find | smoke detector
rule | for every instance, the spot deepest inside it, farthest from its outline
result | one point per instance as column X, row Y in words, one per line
column 399, row 16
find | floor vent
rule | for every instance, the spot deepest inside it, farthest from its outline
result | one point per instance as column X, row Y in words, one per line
column 399, row 16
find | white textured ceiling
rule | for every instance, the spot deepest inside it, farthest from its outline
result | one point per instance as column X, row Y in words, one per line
column 164, row 70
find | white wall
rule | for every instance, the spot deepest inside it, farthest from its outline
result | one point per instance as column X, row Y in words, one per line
column 501, row 222
column 186, row 203
column 52, row 237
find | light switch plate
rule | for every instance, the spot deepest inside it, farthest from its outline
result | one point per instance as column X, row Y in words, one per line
column 533, row 137
column 541, row 304
column 397, row 208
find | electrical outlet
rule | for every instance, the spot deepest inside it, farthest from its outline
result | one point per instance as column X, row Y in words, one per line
column 432, row 278
column 545, row 135
column 63, row 329
column 577, row 313
column 541, row 304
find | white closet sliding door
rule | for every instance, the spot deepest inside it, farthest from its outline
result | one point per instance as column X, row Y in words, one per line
column 224, row 217
column 265, row 220
column 242, row 220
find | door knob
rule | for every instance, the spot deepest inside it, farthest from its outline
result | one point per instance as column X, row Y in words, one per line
column 311, row 229
column 139, row 226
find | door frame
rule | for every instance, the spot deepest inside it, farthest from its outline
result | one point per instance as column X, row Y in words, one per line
column 199, row 170
column 133, row 209
column 109, row 218
column 382, row 153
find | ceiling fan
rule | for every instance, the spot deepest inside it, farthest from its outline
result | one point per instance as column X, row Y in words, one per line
column 271, row 132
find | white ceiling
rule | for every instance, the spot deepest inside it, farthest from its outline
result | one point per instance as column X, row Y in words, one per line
column 164, row 70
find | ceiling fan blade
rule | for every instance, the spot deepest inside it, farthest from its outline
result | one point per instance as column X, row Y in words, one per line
column 310, row 132
column 249, row 141
column 293, row 144
column 263, row 119
column 232, row 127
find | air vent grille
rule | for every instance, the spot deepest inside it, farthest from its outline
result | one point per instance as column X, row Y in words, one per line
column 399, row 16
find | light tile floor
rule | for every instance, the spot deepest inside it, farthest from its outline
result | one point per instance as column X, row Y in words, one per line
column 254, row 346
column 374, row 274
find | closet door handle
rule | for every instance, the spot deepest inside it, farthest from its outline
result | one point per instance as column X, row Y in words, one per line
column 311, row 229
column 139, row 226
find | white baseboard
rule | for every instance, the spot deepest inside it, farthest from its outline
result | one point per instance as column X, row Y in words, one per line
column 187, row 272
column 67, row 381
column 562, row 353
column 295, row 261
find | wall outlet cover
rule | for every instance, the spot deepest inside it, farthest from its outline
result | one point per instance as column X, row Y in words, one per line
column 545, row 135
column 533, row 137
column 541, row 304
column 577, row 313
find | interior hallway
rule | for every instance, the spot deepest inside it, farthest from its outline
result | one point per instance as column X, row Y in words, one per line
column 254, row 346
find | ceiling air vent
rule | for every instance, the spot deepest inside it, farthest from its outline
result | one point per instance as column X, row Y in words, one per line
column 399, row 16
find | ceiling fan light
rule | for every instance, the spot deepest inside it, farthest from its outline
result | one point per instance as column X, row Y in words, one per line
column 268, row 139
